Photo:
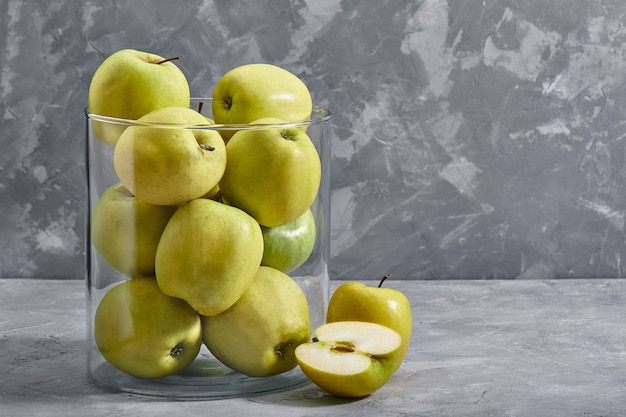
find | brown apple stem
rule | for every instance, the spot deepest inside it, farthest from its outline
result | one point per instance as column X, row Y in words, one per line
column 385, row 277
column 174, row 58
column 200, row 105
column 207, row 147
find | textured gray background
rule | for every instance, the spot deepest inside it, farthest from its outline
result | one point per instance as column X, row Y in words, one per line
column 472, row 139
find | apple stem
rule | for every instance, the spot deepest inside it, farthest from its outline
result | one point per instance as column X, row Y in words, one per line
column 200, row 105
column 206, row 147
column 174, row 58
column 385, row 277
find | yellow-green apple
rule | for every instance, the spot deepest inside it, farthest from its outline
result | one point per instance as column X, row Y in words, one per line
column 350, row 358
column 145, row 333
column 288, row 246
column 258, row 335
column 255, row 91
column 126, row 230
column 167, row 161
column 386, row 306
column 273, row 174
column 129, row 84
column 208, row 255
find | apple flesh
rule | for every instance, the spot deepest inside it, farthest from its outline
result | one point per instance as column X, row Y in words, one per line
column 350, row 358
column 386, row 306
column 145, row 333
column 258, row 335
column 129, row 84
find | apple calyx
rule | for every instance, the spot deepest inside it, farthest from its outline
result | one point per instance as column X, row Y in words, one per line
column 384, row 278
column 228, row 103
column 177, row 350
column 286, row 135
column 174, row 58
column 279, row 349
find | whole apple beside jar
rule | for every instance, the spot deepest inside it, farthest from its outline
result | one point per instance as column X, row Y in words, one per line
column 207, row 220
column 364, row 342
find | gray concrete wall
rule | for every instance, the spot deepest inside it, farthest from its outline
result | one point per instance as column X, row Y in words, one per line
column 472, row 139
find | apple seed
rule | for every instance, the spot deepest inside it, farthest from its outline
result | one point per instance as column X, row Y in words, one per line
column 342, row 349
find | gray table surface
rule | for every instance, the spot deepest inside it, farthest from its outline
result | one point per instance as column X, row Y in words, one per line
column 480, row 348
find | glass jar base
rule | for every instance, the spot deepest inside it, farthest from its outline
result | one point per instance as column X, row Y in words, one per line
column 204, row 379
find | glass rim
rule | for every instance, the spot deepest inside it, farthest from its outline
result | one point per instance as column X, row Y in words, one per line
column 319, row 115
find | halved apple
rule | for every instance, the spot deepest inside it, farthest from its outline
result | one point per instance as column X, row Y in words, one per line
column 356, row 301
column 350, row 358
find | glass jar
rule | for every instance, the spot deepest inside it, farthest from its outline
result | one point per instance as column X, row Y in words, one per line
column 206, row 377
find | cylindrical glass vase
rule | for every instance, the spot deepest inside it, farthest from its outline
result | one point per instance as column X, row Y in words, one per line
column 206, row 377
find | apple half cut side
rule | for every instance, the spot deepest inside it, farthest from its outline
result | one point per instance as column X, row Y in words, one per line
column 350, row 358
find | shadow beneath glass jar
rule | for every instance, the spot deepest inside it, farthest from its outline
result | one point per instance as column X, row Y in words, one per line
column 43, row 369
column 52, row 371
column 309, row 396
